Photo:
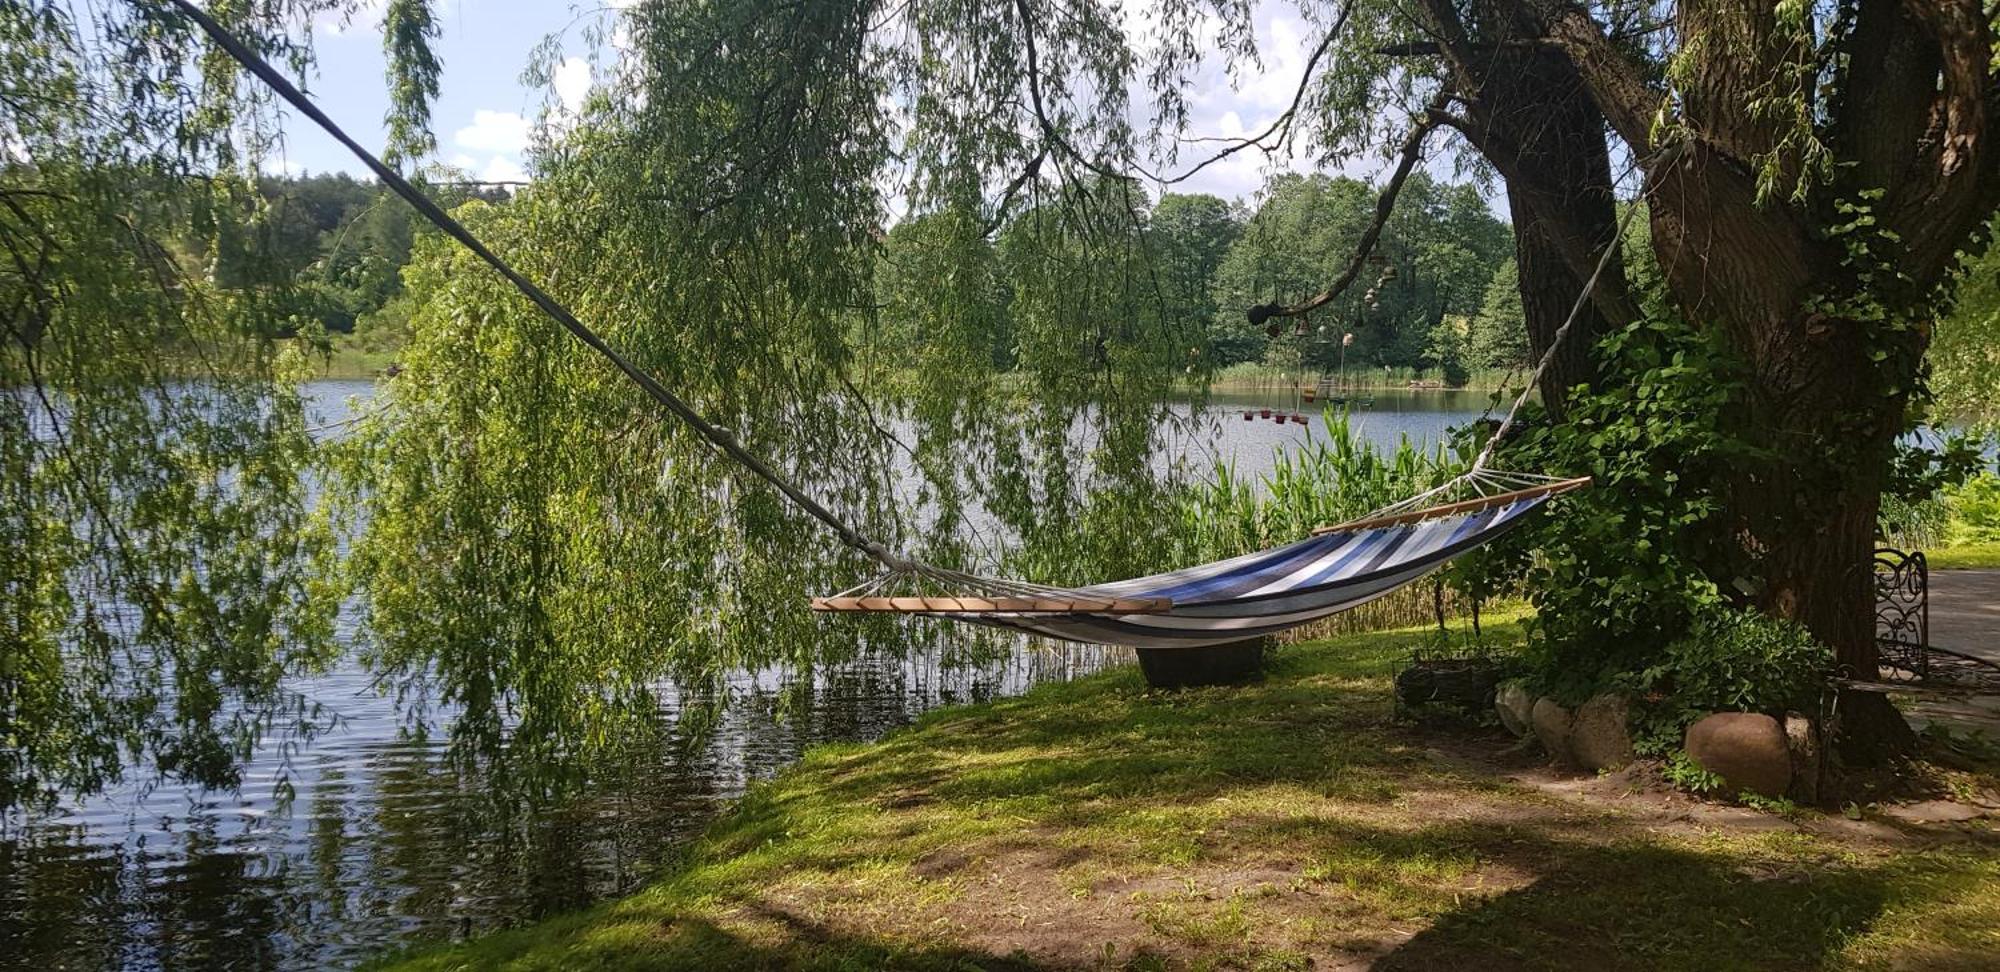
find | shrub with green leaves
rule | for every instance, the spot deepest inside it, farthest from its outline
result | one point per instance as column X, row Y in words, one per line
column 1619, row 570
column 1975, row 509
column 1729, row 661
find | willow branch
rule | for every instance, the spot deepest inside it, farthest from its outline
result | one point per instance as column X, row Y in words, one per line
column 1429, row 121
column 1048, row 126
column 1284, row 119
column 722, row 439
column 1006, row 202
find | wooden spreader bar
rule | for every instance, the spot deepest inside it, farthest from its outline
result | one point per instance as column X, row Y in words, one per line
column 996, row 605
column 1456, row 509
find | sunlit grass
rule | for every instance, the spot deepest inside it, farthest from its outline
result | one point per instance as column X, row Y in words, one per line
column 1282, row 824
column 1965, row 556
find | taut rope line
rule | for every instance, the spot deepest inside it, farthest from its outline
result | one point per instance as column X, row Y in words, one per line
column 1555, row 341
column 717, row 436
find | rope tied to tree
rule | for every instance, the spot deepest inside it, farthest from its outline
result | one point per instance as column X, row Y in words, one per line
column 1556, row 340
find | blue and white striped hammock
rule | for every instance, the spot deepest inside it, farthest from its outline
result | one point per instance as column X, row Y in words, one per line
column 1335, row 569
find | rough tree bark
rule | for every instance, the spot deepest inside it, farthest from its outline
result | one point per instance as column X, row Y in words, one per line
column 1831, row 374
column 1535, row 114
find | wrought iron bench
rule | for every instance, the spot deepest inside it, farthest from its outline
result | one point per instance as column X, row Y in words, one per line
column 1903, row 633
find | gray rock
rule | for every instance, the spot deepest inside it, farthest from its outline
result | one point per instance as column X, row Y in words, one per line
column 1746, row 749
column 1552, row 722
column 1515, row 706
column 1598, row 737
column 1802, row 739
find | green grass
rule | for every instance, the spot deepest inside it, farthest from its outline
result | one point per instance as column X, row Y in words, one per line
column 350, row 359
column 1286, row 824
column 1965, row 556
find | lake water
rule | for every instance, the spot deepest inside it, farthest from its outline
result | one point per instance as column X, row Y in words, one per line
column 388, row 843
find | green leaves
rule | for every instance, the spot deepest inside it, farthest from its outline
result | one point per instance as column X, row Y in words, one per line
column 1619, row 570
column 163, row 572
column 1730, row 660
column 1965, row 349
column 408, row 28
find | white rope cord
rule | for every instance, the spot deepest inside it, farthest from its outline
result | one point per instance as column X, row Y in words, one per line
column 1556, row 340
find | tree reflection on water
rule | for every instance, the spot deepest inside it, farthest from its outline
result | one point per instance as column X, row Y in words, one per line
column 395, row 838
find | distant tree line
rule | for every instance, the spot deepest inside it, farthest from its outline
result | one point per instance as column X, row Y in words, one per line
column 327, row 252
column 323, row 252
column 1443, row 297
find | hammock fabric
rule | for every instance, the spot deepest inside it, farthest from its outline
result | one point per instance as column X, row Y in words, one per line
column 1232, row 600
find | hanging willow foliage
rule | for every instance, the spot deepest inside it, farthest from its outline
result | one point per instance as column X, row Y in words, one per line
column 543, row 545
column 162, row 569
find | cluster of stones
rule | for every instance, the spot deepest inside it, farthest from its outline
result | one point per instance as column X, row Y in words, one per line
column 1751, row 752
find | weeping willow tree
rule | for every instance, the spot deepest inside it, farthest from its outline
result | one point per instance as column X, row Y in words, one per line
column 543, row 545
column 162, row 569
column 1813, row 175
column 537, row 547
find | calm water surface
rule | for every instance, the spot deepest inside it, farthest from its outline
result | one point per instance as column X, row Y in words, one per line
column 387, row 842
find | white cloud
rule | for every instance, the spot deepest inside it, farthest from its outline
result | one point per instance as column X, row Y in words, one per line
column 363, row 17
column 502, row 169
column 1225, row 107
column 497, row 168
column 571, row 80
column 494, row 131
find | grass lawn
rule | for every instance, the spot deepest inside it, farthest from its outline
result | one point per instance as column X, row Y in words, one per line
column 350, row 360
column 1965, row 556
column 1287, row 824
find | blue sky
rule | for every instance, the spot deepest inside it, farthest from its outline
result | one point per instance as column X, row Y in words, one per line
column 484, row 114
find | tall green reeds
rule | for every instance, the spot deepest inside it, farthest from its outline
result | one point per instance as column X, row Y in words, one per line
column 1327, row 479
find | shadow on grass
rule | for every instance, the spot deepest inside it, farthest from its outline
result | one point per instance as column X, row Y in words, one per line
column 1634, row 906
column 687, row 943
column 1254, row 826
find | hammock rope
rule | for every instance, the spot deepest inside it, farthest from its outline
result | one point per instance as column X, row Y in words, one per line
column 716, row 436
column 1336, row 568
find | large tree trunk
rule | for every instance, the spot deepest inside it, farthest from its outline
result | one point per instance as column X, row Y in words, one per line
column 1548, row 140
column 1805, row 516
column 1816, row 408
column 1825, row 398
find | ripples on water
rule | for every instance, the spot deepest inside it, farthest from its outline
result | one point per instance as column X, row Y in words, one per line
column 387, row 842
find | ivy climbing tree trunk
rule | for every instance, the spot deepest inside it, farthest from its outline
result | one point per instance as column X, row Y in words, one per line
column 1807, row 209
column 1806, row 513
